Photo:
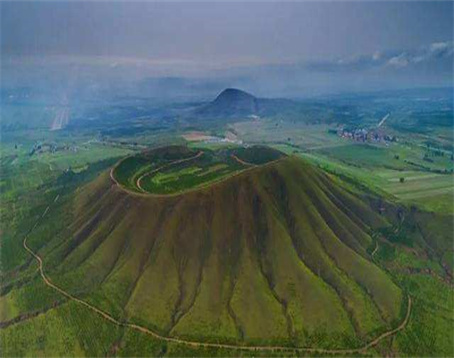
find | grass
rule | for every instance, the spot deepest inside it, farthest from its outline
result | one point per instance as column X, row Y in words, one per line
column 195, row 262
column 169, row 178
column 433, row 192
column 254, row 304
column 213, row 168
column 330, row 229
column 179, row 180
column 429, row 332
column 258, row 154
column 274, row 255
column 69, row 330
column 368, row 163
column 427, row 190
column 29, row 299
column 274, row 131
column 166, row 178
column 443, row 203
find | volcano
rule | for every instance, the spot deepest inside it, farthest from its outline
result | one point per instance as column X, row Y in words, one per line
column 277, row 253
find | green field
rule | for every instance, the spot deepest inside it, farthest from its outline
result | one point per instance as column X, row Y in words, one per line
column 421, row 157
column 378, row 170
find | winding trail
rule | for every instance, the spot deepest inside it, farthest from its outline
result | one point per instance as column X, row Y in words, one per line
column 241, row 161
column 144, row 193
column 139, row 180
column 375, row 249
column 196, row 344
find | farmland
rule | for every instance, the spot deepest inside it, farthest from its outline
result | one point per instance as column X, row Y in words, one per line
column 390, row 171
column 414, row 165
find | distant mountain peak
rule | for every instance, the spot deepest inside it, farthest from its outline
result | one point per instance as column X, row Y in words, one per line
column 231, row 102
column 234, row 94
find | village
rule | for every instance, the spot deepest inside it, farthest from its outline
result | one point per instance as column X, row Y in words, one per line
column 365, row 135
column 40, row 148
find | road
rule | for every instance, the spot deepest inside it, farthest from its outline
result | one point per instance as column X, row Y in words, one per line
column 61, row 119
column 196, row 344
column 383, row 120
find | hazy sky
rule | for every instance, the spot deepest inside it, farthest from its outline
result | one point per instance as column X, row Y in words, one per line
column 221, row 35
column 251, row 31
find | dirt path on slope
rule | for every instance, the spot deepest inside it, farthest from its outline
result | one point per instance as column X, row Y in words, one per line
column 375, row 249
column 149, row 194
column 138, row 181
column 241, row 161
column 196, row 344
column 112, row 177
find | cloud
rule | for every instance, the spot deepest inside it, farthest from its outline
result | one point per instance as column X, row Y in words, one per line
column 429, row 55
column 436, row 51
column 399, row 61
column 440, row 49
column 377, row 56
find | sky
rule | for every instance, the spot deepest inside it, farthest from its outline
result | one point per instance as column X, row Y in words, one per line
column 309, row 40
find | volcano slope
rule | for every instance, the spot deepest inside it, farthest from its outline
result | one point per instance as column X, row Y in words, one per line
column 277, row 254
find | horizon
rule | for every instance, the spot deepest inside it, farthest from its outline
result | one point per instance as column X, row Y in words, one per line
column 293, row 49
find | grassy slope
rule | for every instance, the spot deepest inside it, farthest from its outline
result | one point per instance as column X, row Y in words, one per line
column 68, row 330
column 249, row 280
column 271, row 255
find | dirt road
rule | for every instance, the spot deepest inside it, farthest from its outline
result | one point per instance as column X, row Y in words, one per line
column 61, row 119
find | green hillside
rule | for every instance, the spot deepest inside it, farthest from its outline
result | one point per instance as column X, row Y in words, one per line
column 277, row 254
column 280, row 254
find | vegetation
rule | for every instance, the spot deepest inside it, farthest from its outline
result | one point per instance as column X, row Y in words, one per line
column 155, row 173
column 192, row 276
column 320, row 251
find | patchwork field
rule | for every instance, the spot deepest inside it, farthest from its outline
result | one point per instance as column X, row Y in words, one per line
column 414, row 168
column 378, row 169
column 273, row 131
column 431, row 191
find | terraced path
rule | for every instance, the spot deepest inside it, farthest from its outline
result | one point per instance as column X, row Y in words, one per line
column 196, row 344
column 375, row 249
column 145, row 193
column 179, row 161
column 241, row 161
